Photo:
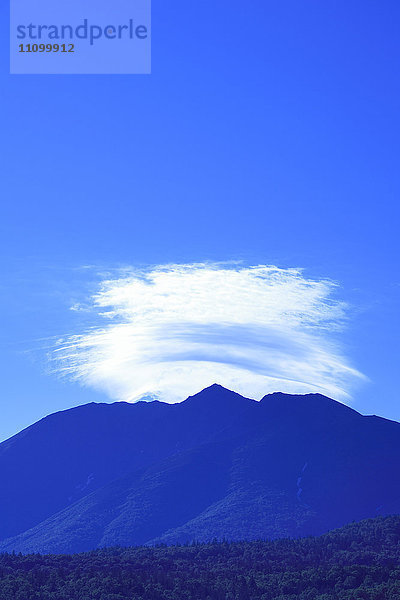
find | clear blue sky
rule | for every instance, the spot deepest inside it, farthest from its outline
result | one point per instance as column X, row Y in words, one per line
column 268, row 132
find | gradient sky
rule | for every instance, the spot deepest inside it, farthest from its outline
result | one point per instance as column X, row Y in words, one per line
column 267, row 133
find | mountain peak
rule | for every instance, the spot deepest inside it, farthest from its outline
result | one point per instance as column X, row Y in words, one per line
column 216, row 395
column 312, row 407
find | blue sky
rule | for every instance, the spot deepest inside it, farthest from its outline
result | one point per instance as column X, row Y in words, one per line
column 266, row 134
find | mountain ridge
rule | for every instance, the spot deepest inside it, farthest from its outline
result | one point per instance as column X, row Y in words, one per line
column 216, row 465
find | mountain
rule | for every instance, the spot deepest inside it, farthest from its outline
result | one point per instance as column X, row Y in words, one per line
column 359, row 561
column 215, row 466
column 69, row 454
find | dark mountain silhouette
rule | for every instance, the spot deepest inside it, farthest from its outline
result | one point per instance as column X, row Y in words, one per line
column 215, row 466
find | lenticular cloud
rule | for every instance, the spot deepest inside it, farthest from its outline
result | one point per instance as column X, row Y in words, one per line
column 170, row 331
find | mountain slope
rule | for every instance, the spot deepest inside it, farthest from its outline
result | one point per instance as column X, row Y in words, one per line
column 69, row 454
column 286, row 466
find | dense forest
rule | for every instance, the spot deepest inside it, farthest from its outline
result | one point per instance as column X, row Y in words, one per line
column 359, row 561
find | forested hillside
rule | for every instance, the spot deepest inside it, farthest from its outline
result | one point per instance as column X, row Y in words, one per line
column 359, row 561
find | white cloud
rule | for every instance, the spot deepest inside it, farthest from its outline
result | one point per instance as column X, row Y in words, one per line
column 172, row 330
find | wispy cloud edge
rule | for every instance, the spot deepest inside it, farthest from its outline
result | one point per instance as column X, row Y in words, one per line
column 171, row 330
